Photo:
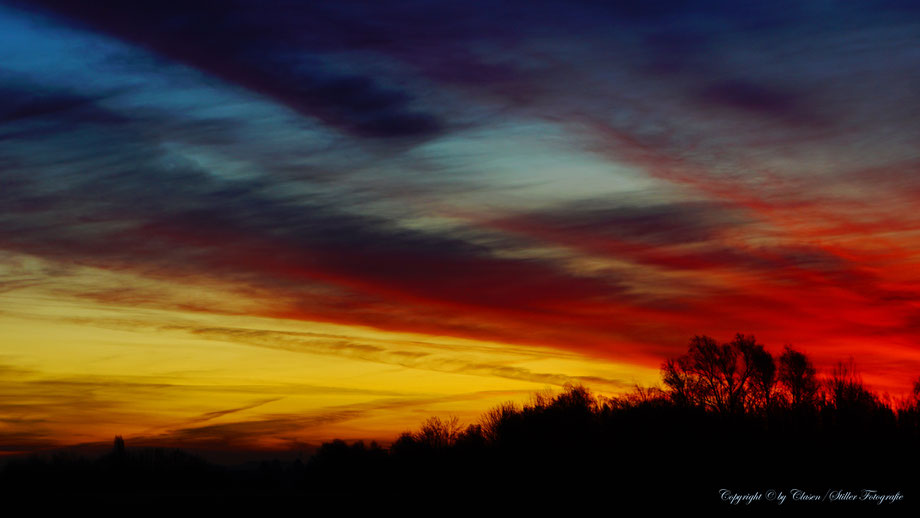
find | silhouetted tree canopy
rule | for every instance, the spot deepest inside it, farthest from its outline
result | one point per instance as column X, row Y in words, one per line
column 727, row 378
column 797, row 376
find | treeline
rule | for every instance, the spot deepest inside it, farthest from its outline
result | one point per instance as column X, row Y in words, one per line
column 727, row 416
column 741, row 376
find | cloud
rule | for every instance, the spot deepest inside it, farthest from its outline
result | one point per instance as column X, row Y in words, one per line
column 752, row 98
column 40, row 411
column 26, row 103
column 430, row 358
column 289, row 429
column 214, row 414
column 258, row 48
column 653, row 224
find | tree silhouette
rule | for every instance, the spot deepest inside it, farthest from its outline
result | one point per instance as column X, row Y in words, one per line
column 118, row 449
column 438, row 434
column 727, row 378
column 798, row 377
column 496, row 421
column 846, row 390
column 763, row 372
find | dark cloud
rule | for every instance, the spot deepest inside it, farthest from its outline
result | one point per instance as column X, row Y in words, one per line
column 24, row 103
column 375, row 70
column 214, row 414
column 757, row 99
column 31, row 112
column 649, row 223
column 263, row 48
column 693, row 237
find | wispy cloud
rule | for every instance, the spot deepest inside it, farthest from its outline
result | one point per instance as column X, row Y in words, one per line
column 292, row 429
column 427, row 358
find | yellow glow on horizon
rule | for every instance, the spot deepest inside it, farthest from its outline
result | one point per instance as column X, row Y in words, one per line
column 81, row 370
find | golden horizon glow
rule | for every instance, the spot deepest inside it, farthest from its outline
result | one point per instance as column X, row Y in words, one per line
column 82, row 371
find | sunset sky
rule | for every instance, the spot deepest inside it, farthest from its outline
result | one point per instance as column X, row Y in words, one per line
column 264, row 224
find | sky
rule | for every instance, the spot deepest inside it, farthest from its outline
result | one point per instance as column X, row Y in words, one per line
column 265, row 224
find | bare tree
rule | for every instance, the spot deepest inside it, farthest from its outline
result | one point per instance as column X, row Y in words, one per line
column 495, row 421
column 682, row 384
column 847, row 391
column 798, row 377
column 438, row 434
column 731, row 377
column 763, row 381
